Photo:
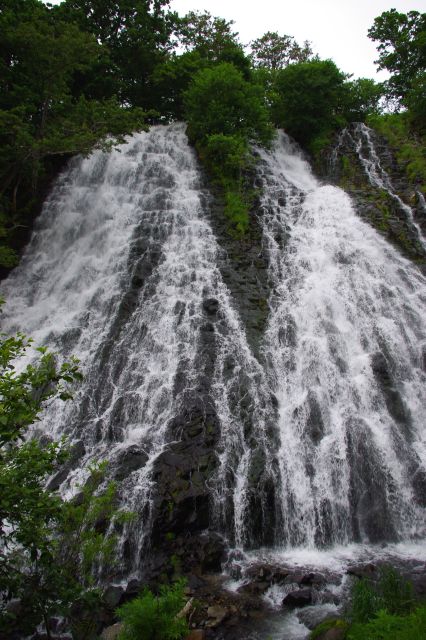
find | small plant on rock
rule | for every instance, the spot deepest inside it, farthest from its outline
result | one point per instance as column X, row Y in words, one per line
column 150, row 617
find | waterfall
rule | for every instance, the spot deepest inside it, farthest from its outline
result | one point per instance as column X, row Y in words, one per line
column 122, row 271
column 344, row 351
column 361, row 139
column 319, row 441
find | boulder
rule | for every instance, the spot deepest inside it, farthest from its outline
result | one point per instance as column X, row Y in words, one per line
column 216, row 615
column 112, row 632
column 112, row 596
column 128, row 461
column 196, row 634
column 298, row 598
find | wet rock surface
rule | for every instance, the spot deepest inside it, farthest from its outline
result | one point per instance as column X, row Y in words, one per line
column 243, row 264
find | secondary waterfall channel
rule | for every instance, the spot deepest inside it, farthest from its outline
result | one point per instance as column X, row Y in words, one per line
column 321, row 439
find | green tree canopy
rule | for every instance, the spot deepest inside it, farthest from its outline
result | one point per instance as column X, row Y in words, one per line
column 220, row 100
column 363, row 99
column 47, row 108
column 136, row 35
column 273, row 51
column 402, row 48
column 213, row 39
column 310, row 99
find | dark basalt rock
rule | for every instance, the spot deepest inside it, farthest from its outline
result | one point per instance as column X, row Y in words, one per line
column 128, row 461
column 211, row 306
column 181, row 502
column 77, row 451
column 243, row 264
column 394, row 402
column 298, row 598
column 112, row 596
column 273, row 574
column 363, row 571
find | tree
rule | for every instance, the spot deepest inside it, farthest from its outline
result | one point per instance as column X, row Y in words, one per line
column 273, row 51
column 27, row 511
column 44, row 110
column 310, row 100
column 49, row 548
column 137, row 36
column 224, row 113
column 213, row 39
column 364, row 98
column 402, row 49
column 220, row 100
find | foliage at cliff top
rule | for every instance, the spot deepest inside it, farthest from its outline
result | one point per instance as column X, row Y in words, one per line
column 225, row 113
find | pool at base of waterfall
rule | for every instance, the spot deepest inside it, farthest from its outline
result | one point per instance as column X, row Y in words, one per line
column 300, row 588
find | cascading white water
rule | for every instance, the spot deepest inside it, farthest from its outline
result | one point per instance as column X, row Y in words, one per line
column 323, row 442
column 344, row 350
column 361, row 138
column 122, row 259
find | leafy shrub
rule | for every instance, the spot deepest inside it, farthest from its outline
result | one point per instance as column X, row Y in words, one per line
column 225, row 112
column 154, row 618
column 392, row 594
column 386, row 626
column 236, row 210
column 366, row 602
column 225, row 155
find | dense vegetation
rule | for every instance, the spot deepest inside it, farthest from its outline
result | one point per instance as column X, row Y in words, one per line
column 83, row 75
column 384, row 609
column 148, row 617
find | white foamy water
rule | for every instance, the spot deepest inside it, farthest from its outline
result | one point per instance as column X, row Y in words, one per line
column 343, row 351
column 323, row 443
column 117, row 271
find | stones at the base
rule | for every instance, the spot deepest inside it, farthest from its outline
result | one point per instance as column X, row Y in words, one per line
column 196, row 634
column 267, row 573
column 112, row 632
column 298, row 598
column 368, row 570
column 216, row 614
column 112, row 596
column 337, row 633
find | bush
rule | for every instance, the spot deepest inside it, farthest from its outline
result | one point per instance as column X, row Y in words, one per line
column 225, row 155
column 386, row 626
column 392, row 594
column 155, row 618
